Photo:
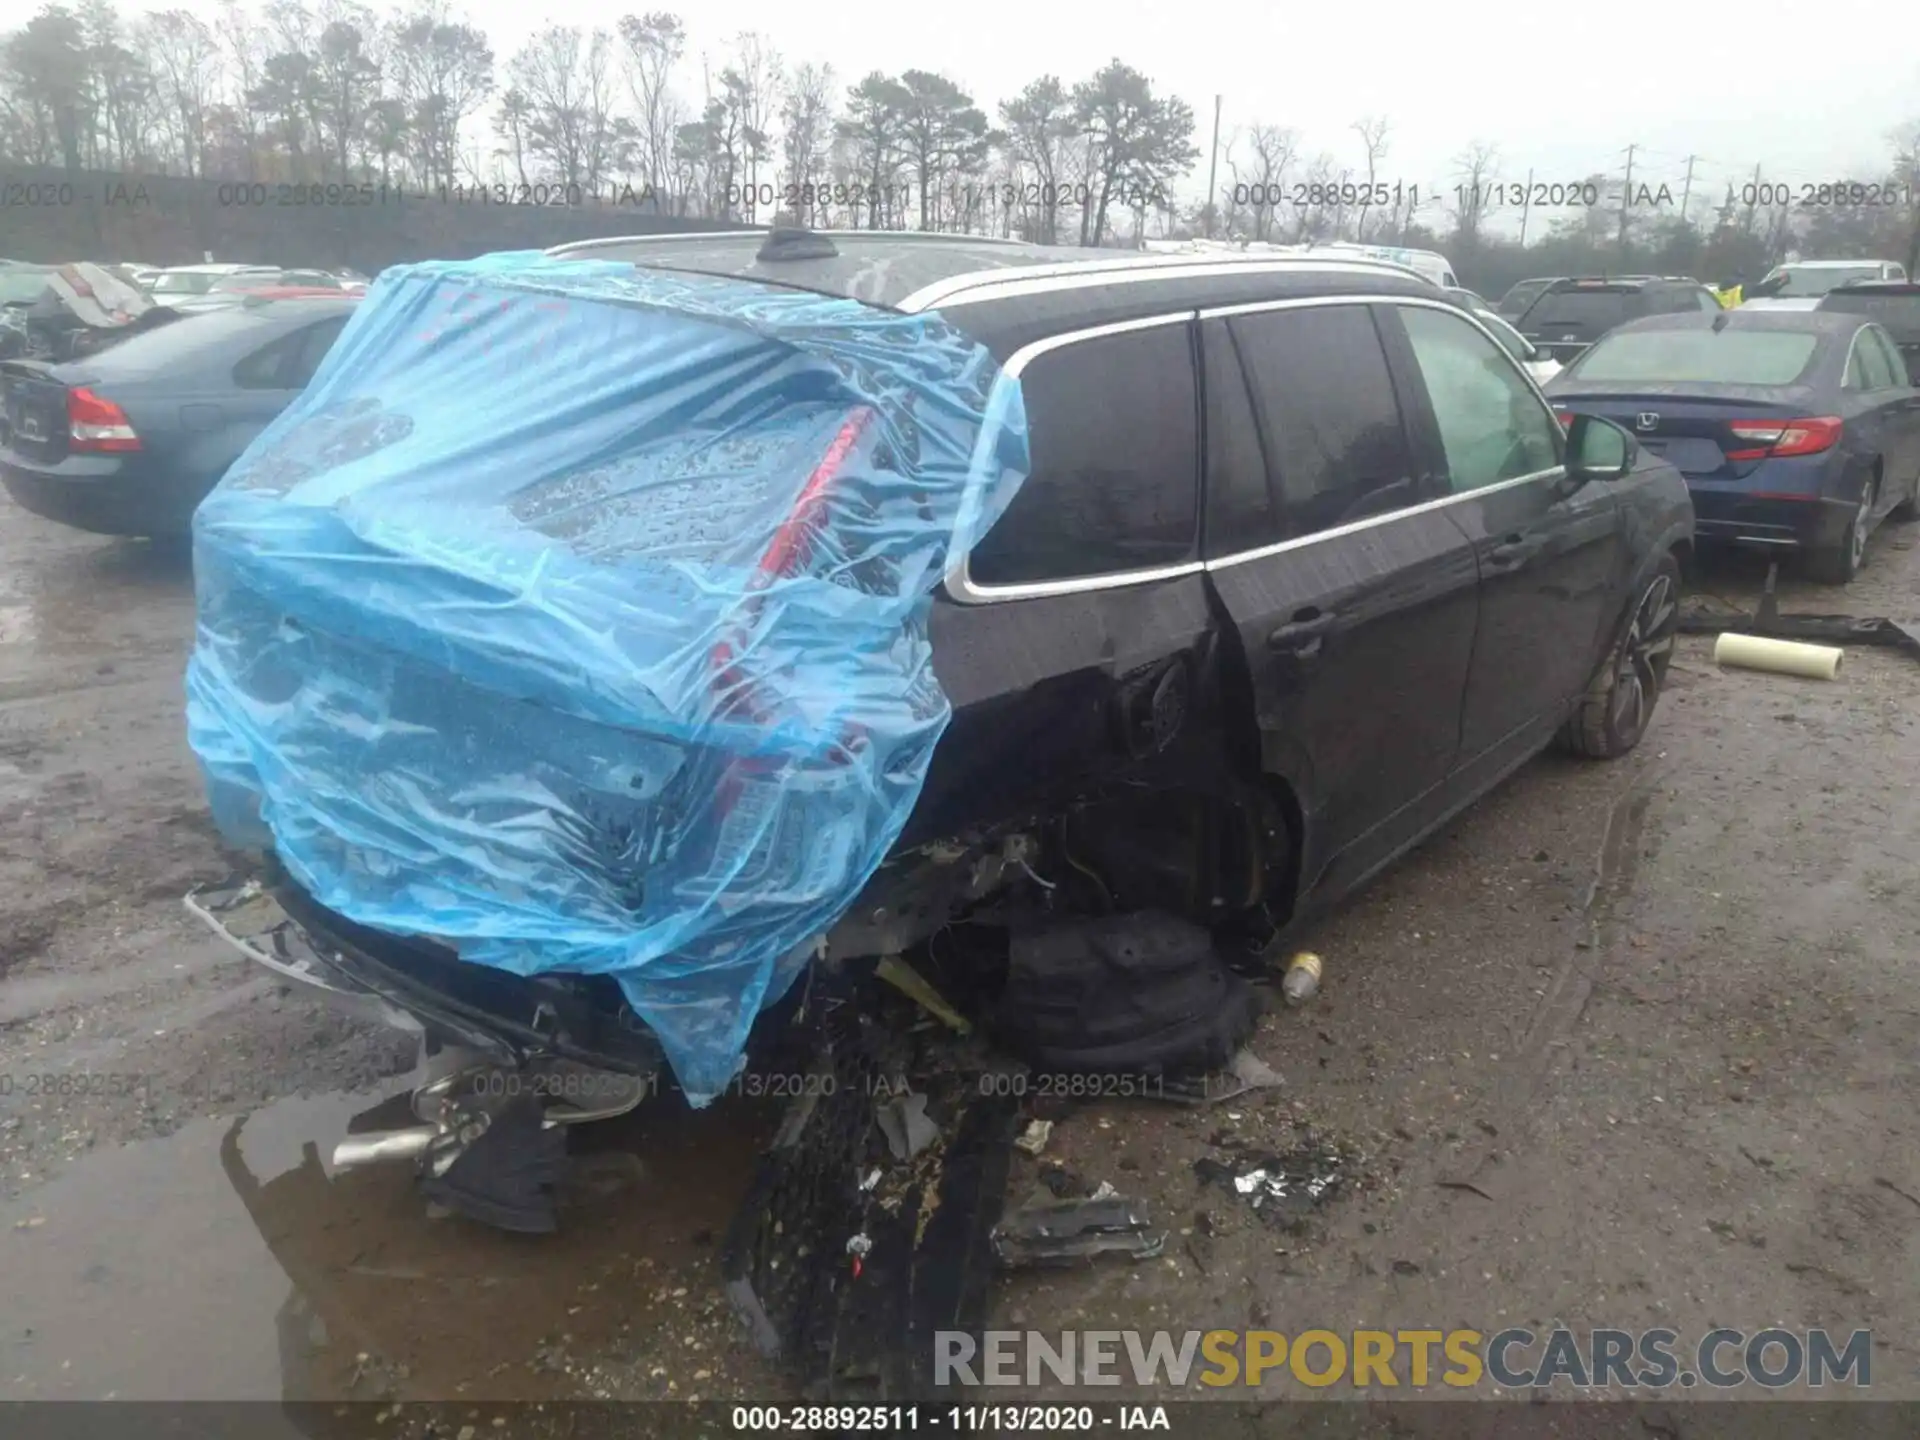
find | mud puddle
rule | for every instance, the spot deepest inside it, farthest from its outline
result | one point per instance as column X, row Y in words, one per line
column 225, row 1261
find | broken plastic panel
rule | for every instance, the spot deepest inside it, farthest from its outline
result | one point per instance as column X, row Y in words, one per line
column 576, row 617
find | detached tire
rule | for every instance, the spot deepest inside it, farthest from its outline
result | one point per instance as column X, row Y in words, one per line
column 1618, row 704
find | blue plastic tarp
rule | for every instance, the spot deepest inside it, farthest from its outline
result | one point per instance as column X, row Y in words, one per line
column 575, row 616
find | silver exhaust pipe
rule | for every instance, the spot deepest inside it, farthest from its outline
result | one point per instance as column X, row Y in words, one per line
column 358, row 1150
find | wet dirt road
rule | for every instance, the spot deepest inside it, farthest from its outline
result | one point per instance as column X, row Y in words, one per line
column 1630, row 1045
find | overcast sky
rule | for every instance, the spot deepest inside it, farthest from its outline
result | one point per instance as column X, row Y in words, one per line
column 1562, row 92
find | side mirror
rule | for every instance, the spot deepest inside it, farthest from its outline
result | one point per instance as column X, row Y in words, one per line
column 1598, row 449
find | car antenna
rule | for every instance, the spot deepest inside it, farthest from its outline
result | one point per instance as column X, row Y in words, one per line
column 793, row 243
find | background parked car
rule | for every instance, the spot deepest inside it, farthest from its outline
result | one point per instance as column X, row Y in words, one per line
column 1797, row 431
column 179, row 286
column 1799, row 284
column 1570, row 314
column 1519, row 296
column 1535, row 361
column 1893, row 304
column 128, row 441
column 21, row 286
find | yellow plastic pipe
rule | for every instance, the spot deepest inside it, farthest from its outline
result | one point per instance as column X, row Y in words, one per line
column 1781, row 657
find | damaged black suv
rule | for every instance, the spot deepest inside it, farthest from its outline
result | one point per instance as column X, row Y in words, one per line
column 1303, row 564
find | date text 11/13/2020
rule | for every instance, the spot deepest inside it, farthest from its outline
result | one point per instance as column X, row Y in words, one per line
column 960, row 196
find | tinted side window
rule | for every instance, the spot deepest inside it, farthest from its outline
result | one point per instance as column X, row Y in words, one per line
column 315, row 341
column 265, row 368
column 1492, row 426
column 1893, row 366
column 1327, row 414
column 1113, row 432
column 1242, row 511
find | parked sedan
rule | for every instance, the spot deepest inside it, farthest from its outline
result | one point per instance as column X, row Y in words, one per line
column 1796, row 430
column 128, row 441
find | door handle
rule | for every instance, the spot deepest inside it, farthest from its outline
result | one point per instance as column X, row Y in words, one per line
column 1303, row 633
column 1514, row 550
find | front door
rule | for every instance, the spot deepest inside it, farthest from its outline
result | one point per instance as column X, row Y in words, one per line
column 1551, row 555
column 1352, row 595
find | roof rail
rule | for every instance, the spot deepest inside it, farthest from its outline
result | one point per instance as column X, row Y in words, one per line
column 979, row 284
column 574, row 247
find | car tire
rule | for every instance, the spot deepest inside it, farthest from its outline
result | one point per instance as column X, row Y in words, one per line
column 1617, row 706
column 1840, row 562
column 1909, row 508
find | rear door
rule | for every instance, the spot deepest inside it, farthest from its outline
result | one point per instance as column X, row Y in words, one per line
column 1551, row 556
column 1075, row 642
column 1351, row 596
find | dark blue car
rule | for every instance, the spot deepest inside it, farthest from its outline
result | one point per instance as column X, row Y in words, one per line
column 128, row 441
column 1797, row 431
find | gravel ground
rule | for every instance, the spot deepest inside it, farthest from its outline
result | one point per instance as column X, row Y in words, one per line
column 1629, row 1045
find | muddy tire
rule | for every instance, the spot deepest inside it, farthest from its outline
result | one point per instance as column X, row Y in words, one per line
column 1617, row 706
column 1838, row 564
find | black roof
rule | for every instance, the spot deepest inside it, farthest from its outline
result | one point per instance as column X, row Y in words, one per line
column 1081, row 288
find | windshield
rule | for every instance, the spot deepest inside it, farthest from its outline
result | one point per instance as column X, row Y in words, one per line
column 1584, row 309
column 1803, row 281
column 21, row 287
column 1711, row 357
column 183, row 282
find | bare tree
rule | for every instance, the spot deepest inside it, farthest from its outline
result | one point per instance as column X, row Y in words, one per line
column 759, row 75
column 442, row 72
column 185, row 56
column 654, row 44
column 1373, row 138
column 564, row 79
column 806, row 136
column 1474, row 168
column 1274, row 150
column 244, row 54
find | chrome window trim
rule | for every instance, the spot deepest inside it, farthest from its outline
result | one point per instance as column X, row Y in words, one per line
column 959, row 577
column 1281, row 547
column 980, row 286
column 1846, row 366
column 959, row 582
